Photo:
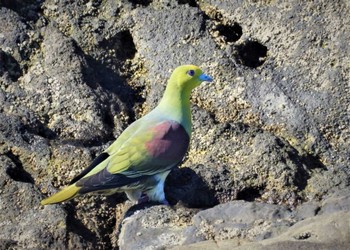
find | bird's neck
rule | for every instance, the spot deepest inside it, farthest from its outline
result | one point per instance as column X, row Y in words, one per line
column 175, row 105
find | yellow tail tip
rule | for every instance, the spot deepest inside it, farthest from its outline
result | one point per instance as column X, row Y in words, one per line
column 65, row 194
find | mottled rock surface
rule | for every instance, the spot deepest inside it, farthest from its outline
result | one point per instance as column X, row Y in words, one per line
column 320, row 232
column 241, row 225
column 268, row 164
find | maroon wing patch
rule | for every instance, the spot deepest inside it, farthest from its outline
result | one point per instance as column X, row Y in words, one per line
column 170, row 142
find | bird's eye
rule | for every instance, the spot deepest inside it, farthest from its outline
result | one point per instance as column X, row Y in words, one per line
column 190, row 72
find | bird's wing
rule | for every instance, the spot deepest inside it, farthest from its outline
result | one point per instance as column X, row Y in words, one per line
column 98, row 163
column 148, row 151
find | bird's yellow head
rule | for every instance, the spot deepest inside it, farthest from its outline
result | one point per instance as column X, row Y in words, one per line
column 187, row 77
column 175, row 104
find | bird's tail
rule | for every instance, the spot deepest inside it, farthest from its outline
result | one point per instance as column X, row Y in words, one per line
column 65, row 194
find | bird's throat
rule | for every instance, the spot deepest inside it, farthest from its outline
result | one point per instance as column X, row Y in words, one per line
column 175, row 104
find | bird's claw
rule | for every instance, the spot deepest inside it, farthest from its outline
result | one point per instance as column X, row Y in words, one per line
column 165, row 202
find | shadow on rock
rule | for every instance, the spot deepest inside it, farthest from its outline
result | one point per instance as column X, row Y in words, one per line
column 97, row 74
column 186, row 186
column 18, row 173
column 96, row 234
column 305, row 163
column 9, row 65
column 28, row 9
column 8, row 244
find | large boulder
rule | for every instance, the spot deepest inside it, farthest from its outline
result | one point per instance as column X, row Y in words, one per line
column 271, row 131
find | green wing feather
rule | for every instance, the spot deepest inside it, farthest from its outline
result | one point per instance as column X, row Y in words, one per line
column 128, row 154
column 113, row 149
column 133, row 160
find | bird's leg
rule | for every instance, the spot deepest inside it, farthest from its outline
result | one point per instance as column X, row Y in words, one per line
column 157, row 192
column 144, row 198
column 165, row 202
column 134, row 195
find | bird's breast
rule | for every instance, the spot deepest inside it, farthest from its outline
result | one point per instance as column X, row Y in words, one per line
column 169, row 142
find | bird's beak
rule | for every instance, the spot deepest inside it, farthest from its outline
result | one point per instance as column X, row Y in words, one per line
column 204, row 77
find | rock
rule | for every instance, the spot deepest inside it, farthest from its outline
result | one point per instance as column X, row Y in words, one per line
column 335, row 203
column 24, row 222
column 199, row 186
column 258, row 165
column 47, row 128
column 238, row 224
column 154, row 227
column 319, row 232
column 298, row 107
column 271, row 131
column 14, row 36
column 245, row 221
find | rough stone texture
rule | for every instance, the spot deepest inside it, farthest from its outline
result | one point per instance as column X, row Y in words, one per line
column 154, row 227
column 239, row 225
column 320, row 232
column 272, row 130
column 24, row 223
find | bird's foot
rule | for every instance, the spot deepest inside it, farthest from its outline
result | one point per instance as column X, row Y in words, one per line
column 165, row 202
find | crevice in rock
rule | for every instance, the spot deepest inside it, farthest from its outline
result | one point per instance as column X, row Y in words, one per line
column 313, row 162
column 120, row 47
column 101, row 237
column 317, row 210
column 9, row 65
column 186, row 186
column 96, row 74
column 18, row 173
column 231, row 33
column 249, row 193
column 251, row 54
column 192, row 3
column 144, row 3
column 36, row 127
column 303, row 236
column 77, row 227
column 223, row 30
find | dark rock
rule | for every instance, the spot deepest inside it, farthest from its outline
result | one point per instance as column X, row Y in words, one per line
column 272, row 128
column 14, row 36
column 200, row 186
column 25, row 224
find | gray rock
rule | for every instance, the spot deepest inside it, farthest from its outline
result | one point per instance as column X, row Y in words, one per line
column 320, row 232
column 24, row 223
column 244, row 220
column 273, row 127
column 246, row 225
column 159, row 226
column 14, row 35
column 335, row 203
column 278, row 92
column 155, row 228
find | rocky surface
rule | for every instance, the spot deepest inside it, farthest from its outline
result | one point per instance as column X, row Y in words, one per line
column 241, row 224
column 268, row 165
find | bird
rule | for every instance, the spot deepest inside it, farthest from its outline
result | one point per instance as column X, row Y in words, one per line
column 140, row 159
